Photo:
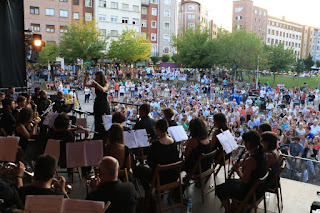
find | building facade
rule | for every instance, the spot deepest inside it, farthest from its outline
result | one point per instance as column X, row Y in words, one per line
column 281, row 31
column 316, row 45
column 249, row 17
column 307, row 41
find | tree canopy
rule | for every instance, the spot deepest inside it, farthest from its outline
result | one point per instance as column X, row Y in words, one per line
column 130, row 47
column 49, row 53
column 82, row 41
column 309, row 63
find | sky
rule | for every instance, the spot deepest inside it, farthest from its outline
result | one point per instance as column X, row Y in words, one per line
column 304, row 12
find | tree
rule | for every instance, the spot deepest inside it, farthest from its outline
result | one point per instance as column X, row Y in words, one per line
column 82, row 41
column 279, row 58
column 309, row 62
column 193, row 48
column 155, row 59
column 299, row 67
column 130, row 47
column 174, row 58
column 165, row 58
column 49, row 53
column 318, row 63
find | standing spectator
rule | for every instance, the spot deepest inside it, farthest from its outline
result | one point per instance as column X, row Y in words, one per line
column 116, row 89
column 87, row 92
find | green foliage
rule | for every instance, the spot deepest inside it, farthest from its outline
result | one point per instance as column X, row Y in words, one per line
column 309, row 62
column 155, row 59
column 49, row 53
column 130, row 47
column 82, row 40
column 193, row 48
column 318, row 63
column 165, row 58
column 300, row 66
column 174, row 58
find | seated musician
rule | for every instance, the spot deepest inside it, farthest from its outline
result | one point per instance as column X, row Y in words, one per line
column 21, row 103
column 11, row 91
column 44, row 172
column 269, row 143
column 7, row 121
column 59, row 105
column 43, row 102
column 198, row 143
column 29, row 102
column 264, row 127
column 23, row 128
column 36, row 96
column 145, row 122
column 121, row 195
column 163, row 151
column 118, row 117
column 2, row 96
column 168, row 114
column 254, row 166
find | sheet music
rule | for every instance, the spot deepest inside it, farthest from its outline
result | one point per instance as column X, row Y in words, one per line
column 227, row 141
column 50, row 118
column 75, row 154
column 177, row 133
column 81, row 122
column 44, row 203
column 8, row 148
column 93, row 152
column 141, row 137
column 107, row 121
column 129, row 139
column 82, row 206
column 53, row 148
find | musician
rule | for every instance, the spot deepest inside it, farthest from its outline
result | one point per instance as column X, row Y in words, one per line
column 21, row 103
column 7, row 122
column 44, row 172
column 198, row 143
column 59, row 104
column 36, row 96
column 269, row 142
column 101, row 104
column 254, row 166
column 168, row 114
column 11, row 91
column 2, row 96
column 264, row 127
column 29, row 102
column 118, row 117
column 23, row 128
column 145, row 122
column 121, row 195
column 43, row 102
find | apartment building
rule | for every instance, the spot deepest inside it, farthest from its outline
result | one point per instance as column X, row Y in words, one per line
column 115, row 16
column 281, row 31
column 192, row 13
column 316, row 45
column 307, row 41
column 249, row 17
column 51, row 17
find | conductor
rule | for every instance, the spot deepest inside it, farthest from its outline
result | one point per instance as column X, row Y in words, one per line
column 101, row 104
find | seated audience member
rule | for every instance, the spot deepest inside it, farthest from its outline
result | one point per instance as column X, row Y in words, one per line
column 121, row 195
column 168, row 114
column 23, row 128
column 163, row 151
column 254, row 166
column 269, row 143
column 145, row 122
column 118, row 117
column 264, row 127
column 198, row 143
column 44, row 173
column 7, row 122
column 295, row 149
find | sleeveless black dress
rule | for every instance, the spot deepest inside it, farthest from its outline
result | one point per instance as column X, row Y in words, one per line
column 100, row 107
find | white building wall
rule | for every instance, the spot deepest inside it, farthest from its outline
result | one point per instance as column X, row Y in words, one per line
column 316, row 45
column 275, row 35
column 110, row 18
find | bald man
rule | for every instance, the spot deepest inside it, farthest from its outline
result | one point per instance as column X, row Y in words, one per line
column 121, row 195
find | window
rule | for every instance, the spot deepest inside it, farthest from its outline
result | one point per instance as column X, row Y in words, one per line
column 76, row 15
column 154, row 11
column 240, row 18
column 103, row 32
column 154, row 1
column 136, row 8
column 191, row 16
column 167, row 25
column 153, row 37
column 114, row 5
column 75, row 2
column 135, row 21
column 238, row 9
column 34, row 10
column 50, row 28
column 114, row 33
column 63, row 29
column 102, row 17
column 125, row 20
column 114, row 18
column 167, row 2
column 191, row 25
column 239, row 27
column 268, row 40
column 88, row 3
column 153, row 24
column 264, row 13
column 166, row 37
column 166, row 50
column 144, row 10
column 102, row 3
column 49, row 12
column 64, row 0
column 88, row 16
column 35, row 27
column 255, row 19
column 64, row 13
column 167, row 13
column 143, row 23
column 260, row 13
column 256, row 11
column 192, row 7
column 125, row 6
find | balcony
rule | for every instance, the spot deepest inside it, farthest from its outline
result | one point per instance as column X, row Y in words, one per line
column 145, row 3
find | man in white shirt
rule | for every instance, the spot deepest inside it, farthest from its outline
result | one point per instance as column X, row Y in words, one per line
column 315, row 129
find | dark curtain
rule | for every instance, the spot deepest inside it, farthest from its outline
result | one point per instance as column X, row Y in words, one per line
column 12, row 47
